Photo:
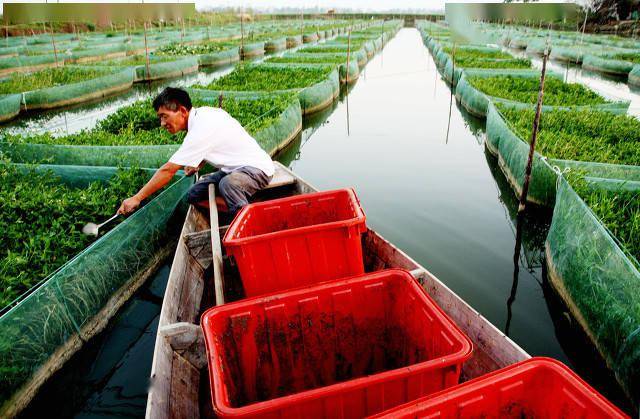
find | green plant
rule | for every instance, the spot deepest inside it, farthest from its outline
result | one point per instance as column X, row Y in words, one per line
column 265, row 78
column 137, row 124
column 19, row 82
column 633, row 57
column 41, row 221
column 463, row 53
column 617, row 209
column 473, row 62
column 584, row 135
column 525, row 90
column 310, row 59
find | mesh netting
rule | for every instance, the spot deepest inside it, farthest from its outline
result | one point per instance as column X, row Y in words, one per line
column 252, row 50
column 96, row 54
column 634, row 75
column 477, row 102
column 282, row 127
column 513, row 151
column 66, row 308
column 9, row 106
column 167, row 69
column 29, row 63
column 598, row 279
column 275, row 45
column 221, row 58
column 606, row 65
column 73, row 93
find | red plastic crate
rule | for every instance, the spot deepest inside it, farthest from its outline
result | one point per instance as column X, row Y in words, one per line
column 535, row 388
column 346, row 348
column 296, row 241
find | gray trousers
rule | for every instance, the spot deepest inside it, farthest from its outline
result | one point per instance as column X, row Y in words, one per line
column 236, row 187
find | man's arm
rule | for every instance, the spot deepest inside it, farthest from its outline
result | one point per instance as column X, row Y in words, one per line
column 159, row 179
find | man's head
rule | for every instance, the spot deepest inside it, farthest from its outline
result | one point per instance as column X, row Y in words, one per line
column 172, row 106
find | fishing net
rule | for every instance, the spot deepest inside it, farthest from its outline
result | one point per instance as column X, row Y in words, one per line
column 96, row 54
column 216, row 59
column 477, row 102
column 73, row 93
column 284, row 125
column 598, row 279
column 252, row 50
column 9, row 106
column 513, row 153
column 163, row 70
column 608, row 65
column 274, row 45
column 634, row 75
column 53, row 320
column 29, row 63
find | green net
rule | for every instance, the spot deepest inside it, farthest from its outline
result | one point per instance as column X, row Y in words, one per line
column 96, row 54
column 559, row 146
column 524, row 83
column 272, row 120
column 73, row 93
column 606, row 65
column 317, row 85
column 275, row 45
column 252, row 50
column 30, row 63
column 167, row 69
column 74, row 302
column 595, row 272
column 216, row 59
column 634, row 75
column 9, row 106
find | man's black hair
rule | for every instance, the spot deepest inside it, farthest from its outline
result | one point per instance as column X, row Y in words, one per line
column 171, row 98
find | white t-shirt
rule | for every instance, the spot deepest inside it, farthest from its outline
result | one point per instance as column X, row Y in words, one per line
column 216, row 137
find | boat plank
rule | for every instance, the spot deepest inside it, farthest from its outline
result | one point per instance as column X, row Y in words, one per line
column 185, row 384
column 158, row 404
column 216, row 247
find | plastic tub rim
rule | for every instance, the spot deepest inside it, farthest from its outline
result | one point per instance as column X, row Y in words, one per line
column 509, row 371
column 221, row 401
column 232, row 242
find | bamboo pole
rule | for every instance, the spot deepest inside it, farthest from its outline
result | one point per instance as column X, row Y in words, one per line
column 348, row 57
column 241, row 33
column 53, row 43
column 584, row 25
column 534, row 133
column 146, row 51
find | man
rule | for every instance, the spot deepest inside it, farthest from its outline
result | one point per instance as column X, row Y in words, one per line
column 213, row 136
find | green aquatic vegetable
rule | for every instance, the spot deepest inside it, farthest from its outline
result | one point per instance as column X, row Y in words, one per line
column 462, row 53
column 41, row 222
column 138, row 124
column 310, row 59
column 619, row 211
column 583, row 135
column 633, row 57
column 264, row 78
column 525, row 90
column 24, row 82
column 473, row 62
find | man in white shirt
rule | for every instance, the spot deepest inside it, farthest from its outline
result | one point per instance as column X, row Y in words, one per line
column 213, row 136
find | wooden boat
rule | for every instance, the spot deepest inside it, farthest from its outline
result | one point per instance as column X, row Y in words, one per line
column 179, row 385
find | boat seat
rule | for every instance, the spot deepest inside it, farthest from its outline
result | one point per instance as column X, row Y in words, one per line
column 280, row 178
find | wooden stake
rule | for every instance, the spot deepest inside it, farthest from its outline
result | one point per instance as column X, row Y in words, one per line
column 348, row 56
column 584, row 25
column 241, row 32
column 534, row 133
column 220, row 100
column 146, row 50
column 53, row 42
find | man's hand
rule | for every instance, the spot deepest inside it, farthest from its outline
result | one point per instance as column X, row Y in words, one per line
column 188, row 170
column 129, row 205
